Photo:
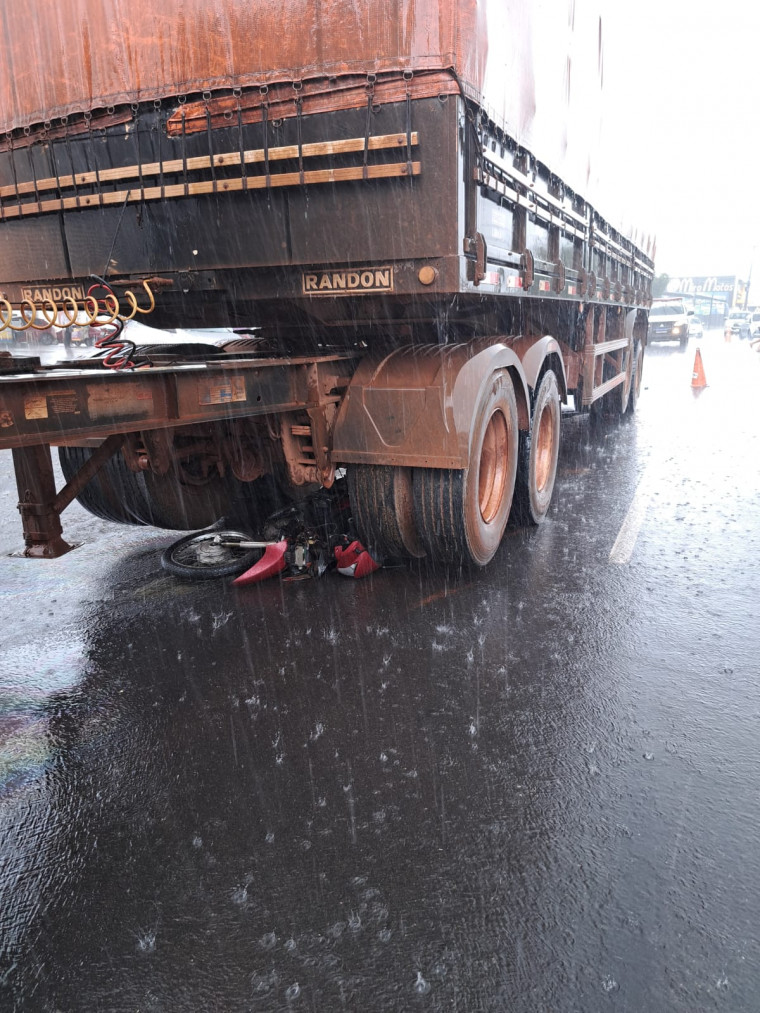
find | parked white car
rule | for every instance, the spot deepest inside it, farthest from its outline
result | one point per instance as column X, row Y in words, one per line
column 738, row 322
column 696, row 330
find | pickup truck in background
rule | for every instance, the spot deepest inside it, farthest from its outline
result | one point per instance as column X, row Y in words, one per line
column 669, row 321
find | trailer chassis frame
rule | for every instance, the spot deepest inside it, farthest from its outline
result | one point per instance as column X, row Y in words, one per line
column 53, row 407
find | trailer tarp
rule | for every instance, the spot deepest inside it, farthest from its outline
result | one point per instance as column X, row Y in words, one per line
column 534, row 65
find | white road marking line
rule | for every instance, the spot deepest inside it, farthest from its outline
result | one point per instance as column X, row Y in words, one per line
column 625, row 542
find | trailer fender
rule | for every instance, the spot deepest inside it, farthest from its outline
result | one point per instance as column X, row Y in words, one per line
column 630, row 321
column 533, row 354
column 414, row 407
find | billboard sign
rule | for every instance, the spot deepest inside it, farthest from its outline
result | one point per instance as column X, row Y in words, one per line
column 710, row 296
column 708, row 285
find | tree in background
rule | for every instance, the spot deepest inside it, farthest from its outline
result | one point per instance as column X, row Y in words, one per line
column 660, row 285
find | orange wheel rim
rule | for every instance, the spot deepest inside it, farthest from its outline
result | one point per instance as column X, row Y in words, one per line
column 544, row 448
column 494, row 465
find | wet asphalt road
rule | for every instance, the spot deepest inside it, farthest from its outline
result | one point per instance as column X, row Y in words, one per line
column 533, row 788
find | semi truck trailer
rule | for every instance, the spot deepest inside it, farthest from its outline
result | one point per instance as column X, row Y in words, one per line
column 391, row 205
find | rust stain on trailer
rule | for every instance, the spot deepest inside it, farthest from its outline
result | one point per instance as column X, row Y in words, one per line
column 317, row 96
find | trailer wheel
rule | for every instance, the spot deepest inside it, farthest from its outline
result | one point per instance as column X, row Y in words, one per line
column 178, row 506
column 382, row 509
column 461, row 515
column 161, row 501
column 208, row 554
column 113, row 494
column 537, row 467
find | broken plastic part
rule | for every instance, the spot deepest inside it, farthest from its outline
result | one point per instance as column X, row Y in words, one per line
column 270, row 564
column 354, row 560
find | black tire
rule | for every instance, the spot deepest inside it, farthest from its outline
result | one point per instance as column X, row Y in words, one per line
column 461, row 515
column 161, row 501
column 114, row 494
column 179, row 506
column 683, row 341
column 539, row 451
column 250, row 504
column 382, row 510
column 206, row 555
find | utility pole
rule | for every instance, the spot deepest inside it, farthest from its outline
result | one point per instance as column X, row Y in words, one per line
column 749, row 278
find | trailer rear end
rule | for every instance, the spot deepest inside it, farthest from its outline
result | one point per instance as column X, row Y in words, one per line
column 374, row 200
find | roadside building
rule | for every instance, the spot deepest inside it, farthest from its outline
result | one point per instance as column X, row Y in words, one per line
column 710, row 296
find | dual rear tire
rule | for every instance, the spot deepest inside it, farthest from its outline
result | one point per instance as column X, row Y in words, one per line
column 539, row 450
column 456, row 517
column 461, row 516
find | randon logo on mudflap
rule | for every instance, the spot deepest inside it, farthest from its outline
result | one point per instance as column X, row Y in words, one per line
column 374, row 279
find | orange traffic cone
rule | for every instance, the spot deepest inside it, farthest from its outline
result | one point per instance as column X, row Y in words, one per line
column 698, row 376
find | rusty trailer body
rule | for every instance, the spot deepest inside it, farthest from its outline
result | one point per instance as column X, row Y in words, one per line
column 413, row 253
